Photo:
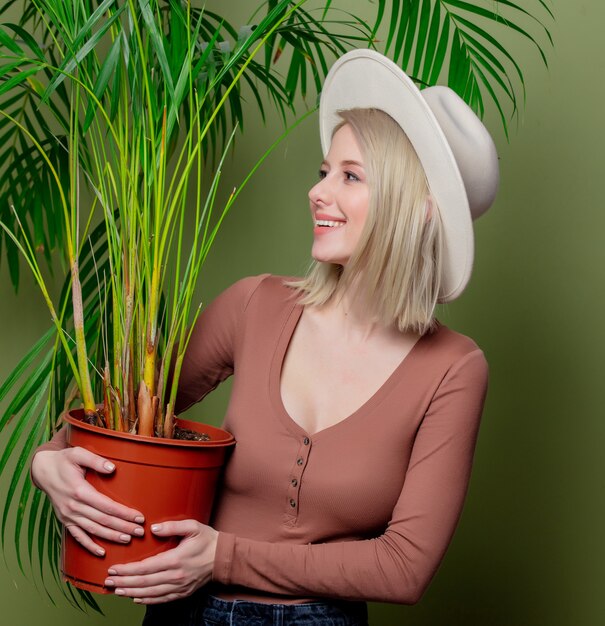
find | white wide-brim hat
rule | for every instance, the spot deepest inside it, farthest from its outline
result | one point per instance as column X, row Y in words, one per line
column 456, row 150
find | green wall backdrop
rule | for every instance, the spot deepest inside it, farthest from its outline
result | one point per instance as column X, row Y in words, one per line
column 529, row 549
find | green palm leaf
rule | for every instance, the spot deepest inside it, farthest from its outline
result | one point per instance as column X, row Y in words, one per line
column 423, row 34
column 39, row 385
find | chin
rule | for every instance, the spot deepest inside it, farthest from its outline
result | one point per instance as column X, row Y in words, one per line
column 329, row 258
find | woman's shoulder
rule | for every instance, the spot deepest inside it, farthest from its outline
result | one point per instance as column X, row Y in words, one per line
column 265, row 289
column 452, row 346
column 446, row 359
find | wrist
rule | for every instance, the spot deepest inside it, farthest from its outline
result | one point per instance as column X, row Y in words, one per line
column 213, row 545
column 35, row 470
column 223, row 557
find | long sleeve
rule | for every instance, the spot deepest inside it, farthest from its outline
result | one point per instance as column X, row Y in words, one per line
column 398, row 565
column 210, row 355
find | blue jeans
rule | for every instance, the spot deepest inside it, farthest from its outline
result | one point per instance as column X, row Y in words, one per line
column 204, row 610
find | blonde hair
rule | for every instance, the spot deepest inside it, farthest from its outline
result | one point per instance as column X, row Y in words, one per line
column 396, row 265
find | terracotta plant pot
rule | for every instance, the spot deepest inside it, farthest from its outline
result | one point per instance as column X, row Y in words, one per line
column 165, row 479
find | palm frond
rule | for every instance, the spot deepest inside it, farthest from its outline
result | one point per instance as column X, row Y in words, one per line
column 39, row 388
column 424, row 36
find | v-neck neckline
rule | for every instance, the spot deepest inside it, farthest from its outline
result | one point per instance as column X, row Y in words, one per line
column 283, row 343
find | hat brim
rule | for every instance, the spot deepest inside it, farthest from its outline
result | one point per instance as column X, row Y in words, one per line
column 367, row 79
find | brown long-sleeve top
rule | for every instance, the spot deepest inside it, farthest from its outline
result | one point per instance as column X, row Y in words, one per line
column 364, row 509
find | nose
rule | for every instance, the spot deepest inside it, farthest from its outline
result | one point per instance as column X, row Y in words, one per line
column 320, row 192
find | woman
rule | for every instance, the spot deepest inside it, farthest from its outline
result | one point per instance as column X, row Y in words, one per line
column 355, row 412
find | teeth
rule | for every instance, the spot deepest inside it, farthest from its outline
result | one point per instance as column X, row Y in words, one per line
column 329, row 223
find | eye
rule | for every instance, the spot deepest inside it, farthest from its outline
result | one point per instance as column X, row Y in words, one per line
column 351, row 176
column 322, row 174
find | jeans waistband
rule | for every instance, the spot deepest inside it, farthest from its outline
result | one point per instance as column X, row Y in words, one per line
column 201, row 609
column 321, row 613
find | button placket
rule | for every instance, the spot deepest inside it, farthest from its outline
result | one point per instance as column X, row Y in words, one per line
column 296, row 476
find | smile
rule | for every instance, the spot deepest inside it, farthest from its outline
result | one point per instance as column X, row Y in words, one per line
column 328, row 223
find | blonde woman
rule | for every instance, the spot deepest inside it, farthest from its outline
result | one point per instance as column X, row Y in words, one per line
column 355, row 411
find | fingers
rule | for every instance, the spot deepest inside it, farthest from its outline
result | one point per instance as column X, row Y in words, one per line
column 158, row 584
column 87, row 494
column 147, row 593
column 85, row 541
column 114, row 510
column 152, row 595
column 111, row 522
column 162, row 562
column 100, row 525
column 181, row 528
column 85, row 458
column 127, row 582
column 152, row 588
column 88, row 509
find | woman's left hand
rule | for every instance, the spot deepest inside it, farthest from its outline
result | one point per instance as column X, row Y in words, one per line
column 173, row 574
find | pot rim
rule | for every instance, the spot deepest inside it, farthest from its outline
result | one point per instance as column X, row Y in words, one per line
column 223, row 438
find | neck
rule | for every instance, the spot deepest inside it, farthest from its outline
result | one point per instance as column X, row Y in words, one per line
column 353, row 315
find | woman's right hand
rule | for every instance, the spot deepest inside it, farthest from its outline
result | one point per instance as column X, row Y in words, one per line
column 78, row 505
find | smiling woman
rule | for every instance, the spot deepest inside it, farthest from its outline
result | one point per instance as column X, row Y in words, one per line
column 343, row 381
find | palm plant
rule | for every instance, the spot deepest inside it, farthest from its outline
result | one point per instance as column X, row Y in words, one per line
column 138, row 96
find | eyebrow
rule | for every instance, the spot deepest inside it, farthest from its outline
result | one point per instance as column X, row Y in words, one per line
column 347, row 162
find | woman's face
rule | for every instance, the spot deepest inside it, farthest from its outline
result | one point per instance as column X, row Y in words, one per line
column 339, row 201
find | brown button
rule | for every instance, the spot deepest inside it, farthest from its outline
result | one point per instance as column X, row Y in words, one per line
column 293, row 503
column 306, row 441
column 294, row 482
column 299, row 461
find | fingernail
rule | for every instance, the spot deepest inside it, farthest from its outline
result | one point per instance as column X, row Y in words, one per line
column 137, row 600
column 119, row 592
column 109, row 466
column 109, row 583
column 139, row 531
column 139, row 519
column 125, row 538
column 156, row 527
column 112, row 572
column 100, row 552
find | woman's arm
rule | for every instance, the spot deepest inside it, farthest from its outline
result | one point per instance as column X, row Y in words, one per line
column 211, row 351
column 398, row 565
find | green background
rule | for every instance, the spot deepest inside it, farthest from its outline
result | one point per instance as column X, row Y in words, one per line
column 529, row 548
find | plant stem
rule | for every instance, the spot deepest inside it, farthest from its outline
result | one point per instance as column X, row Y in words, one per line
column 85, row 385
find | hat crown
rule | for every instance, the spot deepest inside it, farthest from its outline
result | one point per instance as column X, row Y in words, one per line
column 471, row 144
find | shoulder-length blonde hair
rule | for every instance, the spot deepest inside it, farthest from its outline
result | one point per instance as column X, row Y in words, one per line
column 396, row 266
